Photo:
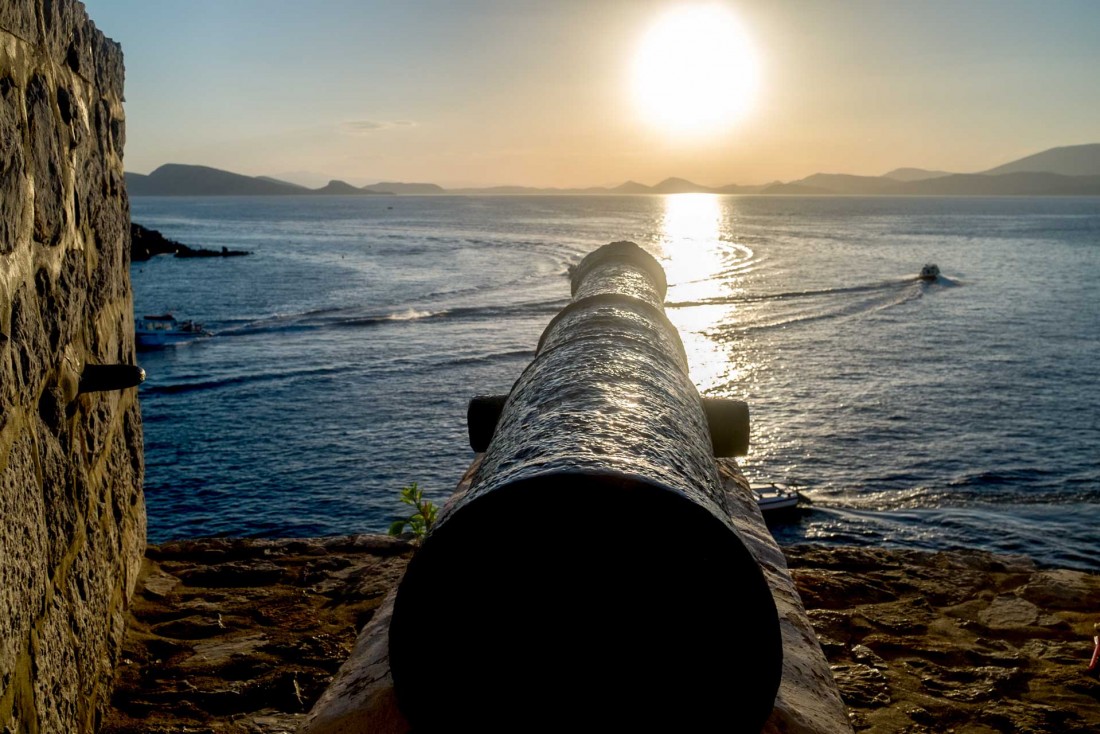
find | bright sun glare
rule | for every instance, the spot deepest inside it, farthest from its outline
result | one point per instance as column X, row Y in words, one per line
column 695, row 72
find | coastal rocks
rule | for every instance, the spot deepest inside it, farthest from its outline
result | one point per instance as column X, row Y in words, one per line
column 145, row 243
column 361, row 695
column 862, row 685
column 1061, row 589
column 218, row 642
column 226, row 659
column 233, row 573
column 970, row 641
column 1009, row 612
column 72, row 518
column 204, row 252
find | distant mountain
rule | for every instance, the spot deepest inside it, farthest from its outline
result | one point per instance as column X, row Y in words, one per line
column 1070, row 160
column 505, row 190
column 176, row 179
column 914, row 174
column 957, row 184
column 668, row 186
column 1072, row 170
column 679, row 186
column 281, row 181
column 793, row 189
column 342, row 188
column 739, row 189
column 843, row 183
column 631, row 187
column 1007, row 184
column 388, row 187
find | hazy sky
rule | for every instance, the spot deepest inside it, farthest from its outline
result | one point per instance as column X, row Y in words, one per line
column 539, row 93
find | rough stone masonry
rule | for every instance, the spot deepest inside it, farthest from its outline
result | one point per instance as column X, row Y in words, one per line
column 72, row 516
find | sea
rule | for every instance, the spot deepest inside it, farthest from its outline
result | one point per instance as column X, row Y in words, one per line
column 959, row 413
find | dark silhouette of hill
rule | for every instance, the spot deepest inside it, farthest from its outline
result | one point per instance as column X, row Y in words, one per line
column 957, row 184
column 506, row 190
column 914, row 174
column 1070, row 160
column 342, row 188
column 740, row 189
column 394, row 187
column 1071, row 170
column 631, row 187
column 1007, row 184
column 679, row 186
column 176, row 179
column 843, row 183
column 281, row 181
column 793, row 189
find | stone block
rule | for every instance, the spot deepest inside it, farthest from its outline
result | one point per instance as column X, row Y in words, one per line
column 72, row 518
column 18, row 18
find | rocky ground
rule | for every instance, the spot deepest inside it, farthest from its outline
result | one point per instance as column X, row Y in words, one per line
column 243, row 635
column 964, row 642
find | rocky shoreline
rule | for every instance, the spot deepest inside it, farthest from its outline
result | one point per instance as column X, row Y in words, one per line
column 146, row 243
column 239, row 635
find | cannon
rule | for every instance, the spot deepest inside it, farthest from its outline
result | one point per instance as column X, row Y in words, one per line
column 590, row 577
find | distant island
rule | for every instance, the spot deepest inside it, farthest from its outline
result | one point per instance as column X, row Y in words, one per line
column 1065, row 171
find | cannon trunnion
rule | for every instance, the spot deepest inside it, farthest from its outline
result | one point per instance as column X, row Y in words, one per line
column 591, row 578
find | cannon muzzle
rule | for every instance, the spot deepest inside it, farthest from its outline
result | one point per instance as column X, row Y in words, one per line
column 591, row 577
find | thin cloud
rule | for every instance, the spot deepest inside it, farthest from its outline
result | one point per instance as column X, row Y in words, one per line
column 362, row 127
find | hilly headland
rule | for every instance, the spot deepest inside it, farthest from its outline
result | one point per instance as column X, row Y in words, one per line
column 1064, row 171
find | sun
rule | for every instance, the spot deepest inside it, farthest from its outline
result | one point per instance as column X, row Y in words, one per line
column 695, row 72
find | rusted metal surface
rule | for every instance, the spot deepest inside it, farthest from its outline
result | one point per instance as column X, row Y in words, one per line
column 727, row 419
column 624, row 596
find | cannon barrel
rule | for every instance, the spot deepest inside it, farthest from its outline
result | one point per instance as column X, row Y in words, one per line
column 727, row 420
column 105, row 377
column 591, row 577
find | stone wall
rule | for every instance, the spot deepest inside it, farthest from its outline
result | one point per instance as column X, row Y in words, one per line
column 72, row 515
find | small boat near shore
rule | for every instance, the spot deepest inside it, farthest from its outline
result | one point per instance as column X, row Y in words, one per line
column 153, row 332
column 775, row 499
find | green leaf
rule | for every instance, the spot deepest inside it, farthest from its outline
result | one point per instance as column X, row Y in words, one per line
column 420, row 522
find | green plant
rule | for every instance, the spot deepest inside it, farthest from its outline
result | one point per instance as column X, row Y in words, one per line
column 420, row 522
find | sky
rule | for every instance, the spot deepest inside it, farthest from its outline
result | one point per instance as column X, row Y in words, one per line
column 545, row 93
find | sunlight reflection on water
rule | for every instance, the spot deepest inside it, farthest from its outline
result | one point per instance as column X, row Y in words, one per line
column 695, row 255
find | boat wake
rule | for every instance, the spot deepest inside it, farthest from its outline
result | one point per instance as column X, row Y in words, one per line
column 411, row 314
column 889, row 285
column 363, row 317
column 751, row 313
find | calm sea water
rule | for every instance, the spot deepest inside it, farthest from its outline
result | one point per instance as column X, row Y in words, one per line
column 962, row 413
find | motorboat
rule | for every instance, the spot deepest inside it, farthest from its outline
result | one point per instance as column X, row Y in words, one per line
column 929, row 272
column 164, row 330
column 775, row 499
